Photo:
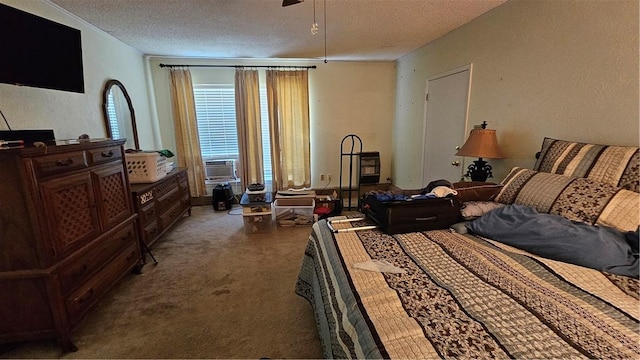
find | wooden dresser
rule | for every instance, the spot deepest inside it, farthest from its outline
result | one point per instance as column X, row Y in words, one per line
column 160, row 204
column 67, row 235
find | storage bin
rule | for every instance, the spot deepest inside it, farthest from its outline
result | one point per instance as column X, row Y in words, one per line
column 259, row 208
column 145, row 167
column 256, row 196
column 294, row 211
column 260, row 222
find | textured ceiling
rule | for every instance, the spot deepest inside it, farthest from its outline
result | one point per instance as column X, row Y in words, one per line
column 381, row 30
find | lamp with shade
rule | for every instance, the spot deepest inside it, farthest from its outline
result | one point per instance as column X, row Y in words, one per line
column 481, row 143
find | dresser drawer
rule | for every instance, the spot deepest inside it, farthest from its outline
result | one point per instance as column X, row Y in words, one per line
column 150, row 232
column 184, row 189
column 79, row 301
column 168, row 200
column 59, row 163
column 165, row 187
column 148, row 213
column 172, row 214
column 98, row 156
column 88, row 263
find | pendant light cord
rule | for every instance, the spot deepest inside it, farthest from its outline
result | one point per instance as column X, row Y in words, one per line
column 324, row 8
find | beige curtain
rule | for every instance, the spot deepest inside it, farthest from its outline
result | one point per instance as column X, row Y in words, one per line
column 249, row 126
column 288, row 98
column 186, row 130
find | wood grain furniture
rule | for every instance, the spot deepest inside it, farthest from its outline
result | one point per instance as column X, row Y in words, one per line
column 67, row 235
column 160, row 204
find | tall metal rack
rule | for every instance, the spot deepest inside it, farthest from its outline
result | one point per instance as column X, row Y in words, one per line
column 353, row 149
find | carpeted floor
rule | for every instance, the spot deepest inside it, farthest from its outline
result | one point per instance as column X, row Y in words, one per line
column 216, row 293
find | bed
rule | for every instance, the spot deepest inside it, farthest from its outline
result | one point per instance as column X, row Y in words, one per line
column 442, row 293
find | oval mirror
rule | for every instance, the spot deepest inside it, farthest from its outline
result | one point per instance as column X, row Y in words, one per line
column 119, row 116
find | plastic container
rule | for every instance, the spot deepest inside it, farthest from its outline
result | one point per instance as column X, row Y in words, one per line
column 294, row 211
column 256, row 196
column 145, row 167
column 259, row 222
column 261, row 208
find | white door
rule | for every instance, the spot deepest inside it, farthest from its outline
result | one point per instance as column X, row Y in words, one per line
column 446, row 108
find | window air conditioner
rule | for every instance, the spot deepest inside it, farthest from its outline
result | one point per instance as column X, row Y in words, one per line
column 220, row 169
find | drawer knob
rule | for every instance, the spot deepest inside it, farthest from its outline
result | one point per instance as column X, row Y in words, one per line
column 107, row 155
column 67, row 162
column 86, row 296
column 131, row 256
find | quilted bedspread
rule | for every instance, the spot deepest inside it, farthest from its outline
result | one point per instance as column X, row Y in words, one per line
column 462, row 296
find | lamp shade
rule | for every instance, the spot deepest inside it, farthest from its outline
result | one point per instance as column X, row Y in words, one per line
column 482, row 143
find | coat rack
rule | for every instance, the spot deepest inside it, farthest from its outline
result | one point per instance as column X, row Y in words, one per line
column 352, row 150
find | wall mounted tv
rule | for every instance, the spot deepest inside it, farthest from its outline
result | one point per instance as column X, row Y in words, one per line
column 39, row 52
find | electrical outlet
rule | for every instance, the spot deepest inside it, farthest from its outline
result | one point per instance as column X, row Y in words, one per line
column 321, row 177
column 329, row 177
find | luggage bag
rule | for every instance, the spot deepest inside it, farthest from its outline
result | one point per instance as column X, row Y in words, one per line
column 401, row 216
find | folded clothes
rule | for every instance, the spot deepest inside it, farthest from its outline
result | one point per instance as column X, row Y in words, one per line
column 388, row 196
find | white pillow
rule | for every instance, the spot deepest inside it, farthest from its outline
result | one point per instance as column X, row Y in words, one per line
column 474, row 209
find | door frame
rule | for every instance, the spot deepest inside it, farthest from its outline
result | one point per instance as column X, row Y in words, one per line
column 459, row 69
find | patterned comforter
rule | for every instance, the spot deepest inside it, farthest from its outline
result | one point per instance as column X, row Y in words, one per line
column 461, row 296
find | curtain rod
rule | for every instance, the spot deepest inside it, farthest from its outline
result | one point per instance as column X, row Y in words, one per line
column 241, row 66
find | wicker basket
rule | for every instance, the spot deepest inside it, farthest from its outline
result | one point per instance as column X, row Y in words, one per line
column 145, row 167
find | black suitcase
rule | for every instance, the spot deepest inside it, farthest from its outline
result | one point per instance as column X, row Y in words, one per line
column 222, row 197
column 402, row 216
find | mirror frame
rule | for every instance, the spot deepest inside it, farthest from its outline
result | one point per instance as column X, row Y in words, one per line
column 105, row 93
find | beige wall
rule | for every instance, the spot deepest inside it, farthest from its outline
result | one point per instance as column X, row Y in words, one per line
column 71, row 114
column 563, row 69
column 344, row 98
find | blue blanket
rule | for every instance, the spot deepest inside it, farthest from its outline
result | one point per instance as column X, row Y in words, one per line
column 555, row 237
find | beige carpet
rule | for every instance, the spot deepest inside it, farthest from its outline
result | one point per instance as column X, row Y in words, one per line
column 216, row 293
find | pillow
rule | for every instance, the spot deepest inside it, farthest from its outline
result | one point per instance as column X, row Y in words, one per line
column 474, row 209
column 555, row 237
column 476, row 191
column 460, row 227
column 577, row 199
column 615, row 165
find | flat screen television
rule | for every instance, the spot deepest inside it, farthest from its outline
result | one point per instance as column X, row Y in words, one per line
column 39, row 52
column 29, row 136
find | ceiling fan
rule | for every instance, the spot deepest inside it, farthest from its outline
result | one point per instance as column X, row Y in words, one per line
column 290, row 2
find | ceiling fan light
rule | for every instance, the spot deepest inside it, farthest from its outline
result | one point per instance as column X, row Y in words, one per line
column 290, row 2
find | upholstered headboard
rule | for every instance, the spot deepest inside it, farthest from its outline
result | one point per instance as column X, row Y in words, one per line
column 615, row 165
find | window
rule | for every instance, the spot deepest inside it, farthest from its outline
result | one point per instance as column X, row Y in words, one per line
column 216, row 116
column 112, row 116
column 266, row 139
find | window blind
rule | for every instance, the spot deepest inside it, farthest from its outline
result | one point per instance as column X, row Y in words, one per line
column 216, row 117
column 266, row 139
column 113, row 118
column 217, row 130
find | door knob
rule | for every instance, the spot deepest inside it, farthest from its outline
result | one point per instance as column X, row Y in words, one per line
column 455, row 163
